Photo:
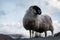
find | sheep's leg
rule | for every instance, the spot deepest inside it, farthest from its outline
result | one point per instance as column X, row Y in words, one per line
column 52, row 33
column 36, row 35
column 30, row 33
column 45, row 34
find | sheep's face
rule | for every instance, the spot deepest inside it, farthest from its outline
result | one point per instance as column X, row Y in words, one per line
column 37, row 10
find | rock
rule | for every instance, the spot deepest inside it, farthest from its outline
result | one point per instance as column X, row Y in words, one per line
column 5, row 37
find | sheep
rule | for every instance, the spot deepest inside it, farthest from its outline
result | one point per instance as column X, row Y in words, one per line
column 44, row 24
column 34, row 21
column 30, row 18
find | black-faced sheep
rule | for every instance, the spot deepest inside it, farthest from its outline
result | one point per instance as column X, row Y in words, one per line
column 36, row 22
column 30, row 18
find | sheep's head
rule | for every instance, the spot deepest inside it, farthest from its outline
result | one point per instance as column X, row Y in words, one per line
column 36, row 10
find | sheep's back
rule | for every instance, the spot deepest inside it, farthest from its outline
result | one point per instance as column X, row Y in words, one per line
column 45, row 19
column 44, row 22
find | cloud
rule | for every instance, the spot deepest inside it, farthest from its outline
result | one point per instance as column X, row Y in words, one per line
column 54, row 3
column 58, row 0
column 47, row 6
column 13, row 28
column 56, row 26
column 2, row 13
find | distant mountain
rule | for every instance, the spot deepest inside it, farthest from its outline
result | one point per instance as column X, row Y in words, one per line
column 10, row 36
column 57, row 34
column 5, row 37
column 19, row 37
column 15, row 36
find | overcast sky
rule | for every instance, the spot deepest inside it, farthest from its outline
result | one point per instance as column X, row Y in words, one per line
column 12, row 12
